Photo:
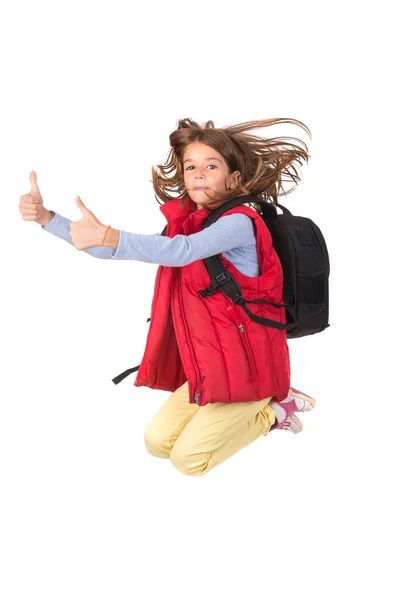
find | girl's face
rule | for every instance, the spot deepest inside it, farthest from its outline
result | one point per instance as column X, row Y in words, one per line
column 205, row 168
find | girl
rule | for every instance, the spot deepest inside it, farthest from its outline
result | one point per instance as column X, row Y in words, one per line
column 230, row 376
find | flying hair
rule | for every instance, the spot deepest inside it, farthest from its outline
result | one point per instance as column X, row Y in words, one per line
column 262, row 162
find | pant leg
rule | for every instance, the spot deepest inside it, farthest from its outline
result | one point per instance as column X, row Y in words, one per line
column 164, row 429
column 217, row 431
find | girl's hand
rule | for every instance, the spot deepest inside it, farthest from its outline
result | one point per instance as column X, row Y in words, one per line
column 31, row 205
column 89, row 231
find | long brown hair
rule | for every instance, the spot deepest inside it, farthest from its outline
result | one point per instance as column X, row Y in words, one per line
column 262, row 162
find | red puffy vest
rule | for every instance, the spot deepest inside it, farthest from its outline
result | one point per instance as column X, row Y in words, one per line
column 211, row 342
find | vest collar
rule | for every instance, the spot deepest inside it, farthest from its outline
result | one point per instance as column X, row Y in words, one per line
column 176, row 216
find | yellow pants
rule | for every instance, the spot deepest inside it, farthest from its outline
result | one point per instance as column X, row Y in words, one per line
column 198, row 438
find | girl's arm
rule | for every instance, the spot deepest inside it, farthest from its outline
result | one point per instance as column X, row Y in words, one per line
column 230, row 232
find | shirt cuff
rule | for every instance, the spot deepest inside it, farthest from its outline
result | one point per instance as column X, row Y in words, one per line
column 117, row 251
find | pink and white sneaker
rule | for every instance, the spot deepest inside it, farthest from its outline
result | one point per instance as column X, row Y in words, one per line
column 304, row 403
column 292, row 424
column 296, row 401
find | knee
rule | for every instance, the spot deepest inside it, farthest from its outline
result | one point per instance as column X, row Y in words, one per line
column 189, row 463
column 156, row 443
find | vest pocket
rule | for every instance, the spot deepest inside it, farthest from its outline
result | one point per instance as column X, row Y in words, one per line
column 247, row 349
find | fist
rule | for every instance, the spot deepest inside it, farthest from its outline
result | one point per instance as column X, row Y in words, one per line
column 31, row 205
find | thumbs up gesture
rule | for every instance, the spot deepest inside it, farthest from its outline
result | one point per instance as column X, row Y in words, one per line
column 31, row 205
column 89, row 231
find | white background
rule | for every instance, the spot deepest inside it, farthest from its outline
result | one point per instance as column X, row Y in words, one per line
column 89, row 95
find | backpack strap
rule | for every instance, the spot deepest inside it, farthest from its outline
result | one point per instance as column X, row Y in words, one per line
column 125, row 374
column 223, row 280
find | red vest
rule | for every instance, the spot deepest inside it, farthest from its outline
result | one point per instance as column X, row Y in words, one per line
column 211, row 342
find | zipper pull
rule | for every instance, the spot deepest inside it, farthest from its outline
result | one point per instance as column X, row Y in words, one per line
column 197, row 395
column 241, row 327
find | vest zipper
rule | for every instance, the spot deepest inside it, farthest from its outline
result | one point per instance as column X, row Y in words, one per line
column 248, row 350
column 196, row 396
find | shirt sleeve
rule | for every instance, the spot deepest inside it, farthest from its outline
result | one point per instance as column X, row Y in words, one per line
column 230, row 231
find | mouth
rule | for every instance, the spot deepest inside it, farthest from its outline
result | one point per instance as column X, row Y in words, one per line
column 199, row 188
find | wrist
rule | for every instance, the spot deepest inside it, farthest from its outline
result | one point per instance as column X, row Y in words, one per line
column 112, row 238
column 47, row 218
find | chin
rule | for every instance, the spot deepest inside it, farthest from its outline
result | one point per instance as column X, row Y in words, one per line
column 203, row 201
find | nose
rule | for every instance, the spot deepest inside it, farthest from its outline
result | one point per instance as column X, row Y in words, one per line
column 199, row 173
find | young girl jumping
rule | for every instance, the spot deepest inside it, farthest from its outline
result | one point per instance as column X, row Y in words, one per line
column 229, row 375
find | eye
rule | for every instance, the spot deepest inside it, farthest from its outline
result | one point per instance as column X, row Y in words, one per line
column 190, row 166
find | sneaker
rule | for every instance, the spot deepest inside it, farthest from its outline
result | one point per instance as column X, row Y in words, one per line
column 304, row 403
column 289, row 406
column 296, row 401
column 290, row 422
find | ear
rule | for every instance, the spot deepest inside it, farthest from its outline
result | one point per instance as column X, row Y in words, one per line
column 234, row 179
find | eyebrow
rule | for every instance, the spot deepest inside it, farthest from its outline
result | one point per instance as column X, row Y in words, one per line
column 211, row 158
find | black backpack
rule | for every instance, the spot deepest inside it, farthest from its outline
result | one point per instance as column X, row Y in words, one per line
column 303, row 254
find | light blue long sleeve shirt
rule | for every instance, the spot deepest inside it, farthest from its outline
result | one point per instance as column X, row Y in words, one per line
column 232, row 235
